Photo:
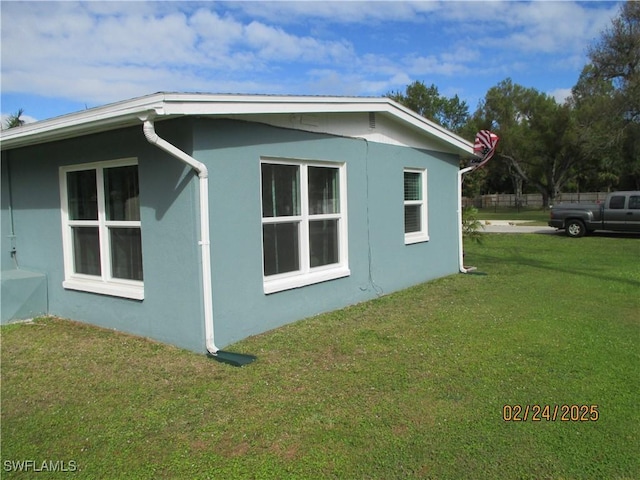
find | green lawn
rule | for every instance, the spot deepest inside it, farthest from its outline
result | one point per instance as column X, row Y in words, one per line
column 411, row 385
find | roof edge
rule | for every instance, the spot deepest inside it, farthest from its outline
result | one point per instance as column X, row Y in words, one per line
column 168, row 105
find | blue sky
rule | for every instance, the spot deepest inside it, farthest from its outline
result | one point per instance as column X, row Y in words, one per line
column 61, row 57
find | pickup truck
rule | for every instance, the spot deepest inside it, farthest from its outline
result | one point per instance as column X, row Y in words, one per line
column 620, row 212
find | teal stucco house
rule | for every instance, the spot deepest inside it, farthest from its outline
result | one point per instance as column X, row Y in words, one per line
column 198, row 219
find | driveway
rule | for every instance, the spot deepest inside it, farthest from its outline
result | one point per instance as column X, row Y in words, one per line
column 513, row 226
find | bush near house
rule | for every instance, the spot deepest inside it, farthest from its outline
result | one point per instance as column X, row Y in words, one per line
column 411, row 385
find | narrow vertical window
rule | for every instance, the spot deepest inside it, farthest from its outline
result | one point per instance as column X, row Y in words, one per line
column 303, row 223
column 281, row 211
column 102, row 237
column 415, row 206
column 122, row 217
column 324, row 215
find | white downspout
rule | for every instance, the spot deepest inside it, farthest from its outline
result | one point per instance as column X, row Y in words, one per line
column 460, row 248
column 203, row 174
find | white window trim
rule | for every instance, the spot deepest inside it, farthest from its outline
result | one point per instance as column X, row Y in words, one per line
column 308, row 275
column 104, row 284
column 423, row 234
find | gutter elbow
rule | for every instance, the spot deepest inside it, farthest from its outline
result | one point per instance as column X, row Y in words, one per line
column 203, row 172
column 148, row 128
column 150, row 132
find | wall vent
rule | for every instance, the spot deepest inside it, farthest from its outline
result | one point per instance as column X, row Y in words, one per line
column 372, row 120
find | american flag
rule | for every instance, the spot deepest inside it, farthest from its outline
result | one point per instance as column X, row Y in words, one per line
column 484, row 147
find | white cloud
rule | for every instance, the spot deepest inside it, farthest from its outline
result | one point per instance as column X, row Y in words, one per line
column 551, row 26
column 434, row 65
column 534, row 26
column 335, row 11
column 542, row 26
column 104, row 53
column 216, row 33
column 98, row 52
column 275, row 44
column 333, row 82
column 561, row 95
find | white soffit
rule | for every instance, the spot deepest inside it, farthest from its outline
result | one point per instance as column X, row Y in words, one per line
column 371, row 126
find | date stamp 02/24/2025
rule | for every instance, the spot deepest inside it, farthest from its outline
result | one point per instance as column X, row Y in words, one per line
column 550, row 413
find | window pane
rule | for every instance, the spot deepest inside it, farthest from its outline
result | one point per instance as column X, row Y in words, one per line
column 412, row 220
column 323, row 190
column 617, row 202
column 121, row 192
column 412, row 186
column 280, row 190
column 83, row 195
column 86, row 250
column 126, row 253
column 280, row 248
column 323, row 243
column 634, row 202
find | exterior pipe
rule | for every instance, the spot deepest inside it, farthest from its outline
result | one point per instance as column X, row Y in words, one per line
column 12, row 232
column 203, row 175
column 460, row 249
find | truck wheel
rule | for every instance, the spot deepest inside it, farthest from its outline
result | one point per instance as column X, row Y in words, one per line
column 575, row 228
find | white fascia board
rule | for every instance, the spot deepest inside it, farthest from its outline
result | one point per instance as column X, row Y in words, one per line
column 89, row 121
column 265, row 104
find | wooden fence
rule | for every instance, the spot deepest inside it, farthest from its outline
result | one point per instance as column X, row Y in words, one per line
column 530, row 199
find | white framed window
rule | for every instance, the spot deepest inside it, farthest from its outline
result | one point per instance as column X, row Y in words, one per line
column 416, row 227
column 101, row 231
column 304, row 222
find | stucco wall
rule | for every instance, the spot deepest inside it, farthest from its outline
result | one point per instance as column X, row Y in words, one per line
column 171, row 309
column 232, row 150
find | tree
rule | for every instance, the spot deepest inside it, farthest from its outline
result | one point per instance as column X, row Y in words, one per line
column 15, row 119
column 607, row 100
column 535, row 136
column 598, row 130
column 451, row 113
column 616, row 58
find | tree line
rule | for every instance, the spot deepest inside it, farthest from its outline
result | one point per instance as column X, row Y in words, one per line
column 590, row 142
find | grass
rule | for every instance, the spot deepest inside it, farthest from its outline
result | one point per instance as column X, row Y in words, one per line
column 410, row 385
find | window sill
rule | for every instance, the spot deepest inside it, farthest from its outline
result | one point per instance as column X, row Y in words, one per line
column 303, row 280
column 124, row 290
column 415, row 238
